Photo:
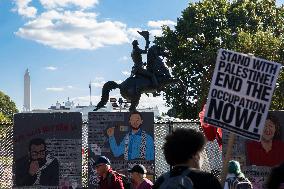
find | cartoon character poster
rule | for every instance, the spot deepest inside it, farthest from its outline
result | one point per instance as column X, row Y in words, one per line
column 257, row 158
column 125, row 138
column 47, row 150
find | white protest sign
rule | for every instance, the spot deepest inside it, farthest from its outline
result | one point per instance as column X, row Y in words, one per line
column 240, row 93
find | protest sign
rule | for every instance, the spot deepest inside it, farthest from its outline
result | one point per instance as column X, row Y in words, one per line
column 255, row 159
column 240, row 93
column 125, row 143
column 47, row 150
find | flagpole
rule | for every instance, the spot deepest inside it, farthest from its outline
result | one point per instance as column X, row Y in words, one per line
column 90, row 87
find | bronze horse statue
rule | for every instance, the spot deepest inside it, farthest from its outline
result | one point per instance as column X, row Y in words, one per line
column 132, row 88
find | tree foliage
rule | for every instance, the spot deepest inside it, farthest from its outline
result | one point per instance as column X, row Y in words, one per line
column 7, row 108
column 247, row 26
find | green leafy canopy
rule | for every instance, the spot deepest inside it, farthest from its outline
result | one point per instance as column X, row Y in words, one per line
column 7, row 109
column 247, row 26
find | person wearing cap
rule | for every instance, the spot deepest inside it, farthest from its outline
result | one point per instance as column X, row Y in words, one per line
column 108, row 178
column 234, row 172
column 138, row 177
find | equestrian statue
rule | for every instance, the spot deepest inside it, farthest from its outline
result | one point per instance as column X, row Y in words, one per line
column 153, row 79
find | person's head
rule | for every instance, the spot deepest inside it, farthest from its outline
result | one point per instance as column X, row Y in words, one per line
column 135, row 120
column 135, row 43
column 184, row 146
column 102, row 165
column 138, row 172
column 271, row 129
column 235, row 168
column 37, row 150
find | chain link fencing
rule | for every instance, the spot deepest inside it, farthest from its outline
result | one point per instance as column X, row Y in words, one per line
column 212, row 153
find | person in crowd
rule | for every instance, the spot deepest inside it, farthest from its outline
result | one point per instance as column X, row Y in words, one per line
column 269, row 151
column 236, row 177
column 138, row 177
column 182, row 150
column 276, row 178
column 109, row 179
column 38, row 168
column 136, row 144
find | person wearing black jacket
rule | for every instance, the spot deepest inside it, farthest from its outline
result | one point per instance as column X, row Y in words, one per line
column 182, row 150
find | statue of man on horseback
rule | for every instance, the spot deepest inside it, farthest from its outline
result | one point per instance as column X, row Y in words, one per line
column 136, row 56
column 150, row 80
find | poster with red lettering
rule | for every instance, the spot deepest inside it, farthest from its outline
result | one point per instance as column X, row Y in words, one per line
column 47, row 150
column 240, row 93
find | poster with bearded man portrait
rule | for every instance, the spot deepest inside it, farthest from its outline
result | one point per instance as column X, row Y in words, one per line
column 125, row 138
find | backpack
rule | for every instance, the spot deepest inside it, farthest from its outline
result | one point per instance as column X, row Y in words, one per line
column 181, row 181
column 239, row 183
column 126, row 182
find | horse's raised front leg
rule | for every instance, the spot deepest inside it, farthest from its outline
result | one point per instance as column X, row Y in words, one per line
column 134, row 103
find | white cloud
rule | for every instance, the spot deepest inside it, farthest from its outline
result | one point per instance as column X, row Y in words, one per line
column 49, row 4
column 160, row 23
column 151, row 102
column 124, row 59
column 55, row 89
column 126, row 73
column 51, row 68
column 59, row 89
column 157, row 26
column 99, row 78
column 70, row 24
column 157, row 33
column 98, row 84
column 118, row 81
column 71, row 30
column 85, row 100
column 23, row 8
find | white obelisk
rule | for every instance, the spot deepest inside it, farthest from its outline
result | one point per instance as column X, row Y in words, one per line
column 27, row 91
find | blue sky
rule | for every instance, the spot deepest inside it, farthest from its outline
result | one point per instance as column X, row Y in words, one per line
column 68, row 43
column 65, row 44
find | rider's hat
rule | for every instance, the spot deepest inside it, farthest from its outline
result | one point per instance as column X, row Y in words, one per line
column 135, row 42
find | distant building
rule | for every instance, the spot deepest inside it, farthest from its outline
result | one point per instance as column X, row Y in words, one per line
column 112, row 106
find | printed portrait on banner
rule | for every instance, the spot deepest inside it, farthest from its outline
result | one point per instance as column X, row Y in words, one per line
column 258, row 157
column 47, row 150
column 125, row 138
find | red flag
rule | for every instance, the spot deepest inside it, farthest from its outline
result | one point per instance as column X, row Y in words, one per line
column 210, row 131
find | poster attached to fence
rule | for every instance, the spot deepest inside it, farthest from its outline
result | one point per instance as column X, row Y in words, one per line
column 47, row 150
column 257, row 158
column 126, row 139
column 240, row 93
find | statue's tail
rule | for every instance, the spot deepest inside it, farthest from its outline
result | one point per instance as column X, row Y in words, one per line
column 108, row 86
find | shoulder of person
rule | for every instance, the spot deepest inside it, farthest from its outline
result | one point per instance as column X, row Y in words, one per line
column 204, row 178
column 158, row 182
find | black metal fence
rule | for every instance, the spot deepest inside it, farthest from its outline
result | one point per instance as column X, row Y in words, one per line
column 212, row 153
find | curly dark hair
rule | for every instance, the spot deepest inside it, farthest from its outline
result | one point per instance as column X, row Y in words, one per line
column 182, row 144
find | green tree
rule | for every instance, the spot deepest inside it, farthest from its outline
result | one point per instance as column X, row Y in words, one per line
column 247, row 26
column 7, row 108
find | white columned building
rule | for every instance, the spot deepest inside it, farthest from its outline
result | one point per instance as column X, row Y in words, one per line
column 27, row 92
